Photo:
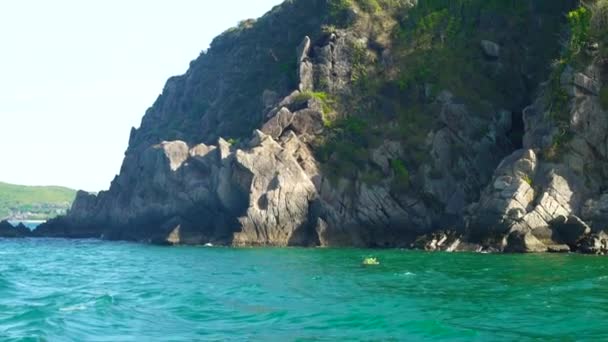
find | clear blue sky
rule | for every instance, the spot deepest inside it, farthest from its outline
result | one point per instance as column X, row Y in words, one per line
column 76, row 75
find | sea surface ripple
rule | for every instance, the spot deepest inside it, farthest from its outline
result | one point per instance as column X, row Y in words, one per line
column 61, row 290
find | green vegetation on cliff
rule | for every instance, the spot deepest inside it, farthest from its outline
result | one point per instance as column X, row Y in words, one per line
column 34, row 202
column 587, row 40
column 417, row 51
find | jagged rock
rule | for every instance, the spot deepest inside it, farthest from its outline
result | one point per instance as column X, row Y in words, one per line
column 277, row 124
column 447, row 241
column 225, row 149
column 458, row 151
column 507, row 199
column 558, row 199
column 490, row 48
column 304, row 156
column 308, row 123
column 333, row 62
column 201, row 150
column 177, row 152
column 205, row 157
column 7, row 230
column 280, row 194
column 174, row 237
column 84, row 201
column 594, row 244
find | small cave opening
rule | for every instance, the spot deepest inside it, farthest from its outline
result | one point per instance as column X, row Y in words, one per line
column 520, row 100
column 518, row 129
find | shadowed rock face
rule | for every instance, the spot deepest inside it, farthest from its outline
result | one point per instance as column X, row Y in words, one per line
column 182, row 183
column 564, row 206
column 7, row 230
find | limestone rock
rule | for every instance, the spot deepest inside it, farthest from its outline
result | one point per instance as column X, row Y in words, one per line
column 520, row 242
column 308, row 123
column 508, row 197
column 201, row 150
column 280, row 195
column 277, row 124
column 177, row 152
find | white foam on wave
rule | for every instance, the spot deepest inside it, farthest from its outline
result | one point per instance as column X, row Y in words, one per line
column 77, row 307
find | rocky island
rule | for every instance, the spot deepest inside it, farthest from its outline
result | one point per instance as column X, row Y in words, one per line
column 476, row 125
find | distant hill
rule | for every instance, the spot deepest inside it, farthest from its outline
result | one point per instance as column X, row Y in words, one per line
column 34, row 202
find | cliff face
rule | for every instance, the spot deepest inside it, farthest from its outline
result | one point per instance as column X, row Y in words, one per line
column 371, row 123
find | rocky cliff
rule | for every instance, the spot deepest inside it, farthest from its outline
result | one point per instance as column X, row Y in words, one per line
column 443, row 125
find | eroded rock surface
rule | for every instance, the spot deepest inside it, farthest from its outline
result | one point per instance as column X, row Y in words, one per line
column 233, row 152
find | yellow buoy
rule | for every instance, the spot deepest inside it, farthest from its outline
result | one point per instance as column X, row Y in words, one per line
column 370, row 262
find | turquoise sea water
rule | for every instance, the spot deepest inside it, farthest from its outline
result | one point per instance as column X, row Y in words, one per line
column 59, row 290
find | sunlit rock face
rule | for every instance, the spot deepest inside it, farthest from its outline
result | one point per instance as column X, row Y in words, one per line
column 298, row 129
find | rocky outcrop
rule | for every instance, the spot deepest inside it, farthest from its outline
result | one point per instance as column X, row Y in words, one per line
column 524, row 242
column 446, row 241
column 447, row 171
column 257, row 195
column 266, row 191
column 594, row 244
column 563, row 208
column 506, row 201
column 280, row 194
column 7, row 230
